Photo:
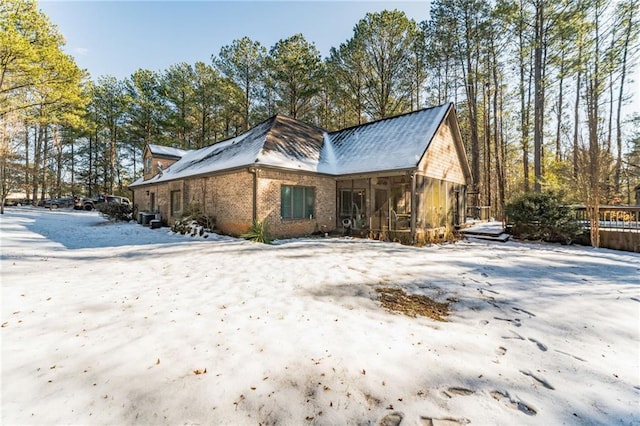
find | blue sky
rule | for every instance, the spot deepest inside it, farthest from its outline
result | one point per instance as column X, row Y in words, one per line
column 118, row 37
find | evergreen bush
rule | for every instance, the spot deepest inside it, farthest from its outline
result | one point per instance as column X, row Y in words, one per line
column 542, row 216
column 116, row 211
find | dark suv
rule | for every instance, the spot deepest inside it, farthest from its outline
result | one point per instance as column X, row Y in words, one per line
column 91, row 203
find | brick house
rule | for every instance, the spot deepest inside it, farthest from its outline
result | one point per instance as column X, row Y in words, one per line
column 405, row 175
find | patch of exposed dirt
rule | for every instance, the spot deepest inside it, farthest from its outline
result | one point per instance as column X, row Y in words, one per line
column 396, row 300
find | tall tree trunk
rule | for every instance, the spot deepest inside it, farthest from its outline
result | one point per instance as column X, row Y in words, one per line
column 576, row 113
column 27, row 176
column 112, row 156
column 497, row 150
column 631, row 10
column 560, row 108
column 593, row 118
column 470, row 84
column 487, row 190
column 43, row 167
column 524, row 101
column 37, row 156
column 57, row 143
column 538, row 115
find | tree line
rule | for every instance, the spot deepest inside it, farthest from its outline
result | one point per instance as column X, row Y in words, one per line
column 540, row 89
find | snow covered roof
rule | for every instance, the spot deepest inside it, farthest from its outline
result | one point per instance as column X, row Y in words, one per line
column 392, row 143
column 388, row 144
column 166, row 151
column 279, row 141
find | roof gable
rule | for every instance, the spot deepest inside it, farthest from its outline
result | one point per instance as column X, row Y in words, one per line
column 392, row 143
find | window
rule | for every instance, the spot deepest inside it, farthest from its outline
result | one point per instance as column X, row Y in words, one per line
column 296, row 202
column 147, row 164
column 176, row 202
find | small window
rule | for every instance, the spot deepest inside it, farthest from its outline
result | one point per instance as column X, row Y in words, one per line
column 147, row 165
column 176, row 202
column 297, row 202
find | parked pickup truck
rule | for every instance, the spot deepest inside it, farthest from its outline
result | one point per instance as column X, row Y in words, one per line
column 91, row 203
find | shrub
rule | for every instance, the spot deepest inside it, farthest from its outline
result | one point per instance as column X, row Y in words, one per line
column 257, row 233
column 542, row 216
column 194, row 221
column 116, row 211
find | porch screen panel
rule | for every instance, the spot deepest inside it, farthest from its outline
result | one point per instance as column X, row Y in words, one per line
column 442, row 209
column 451, row 207
column 345, row 202
column 428, row 203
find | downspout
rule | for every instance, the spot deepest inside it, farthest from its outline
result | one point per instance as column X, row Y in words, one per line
column 254, row 210
column 414, row 207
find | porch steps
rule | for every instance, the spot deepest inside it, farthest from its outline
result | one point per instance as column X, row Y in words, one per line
column 493, row 231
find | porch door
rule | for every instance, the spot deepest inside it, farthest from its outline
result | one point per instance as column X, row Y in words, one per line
column 380, row 215
column 353, row 207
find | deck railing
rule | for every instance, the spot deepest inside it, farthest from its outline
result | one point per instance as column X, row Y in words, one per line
column 619, row 218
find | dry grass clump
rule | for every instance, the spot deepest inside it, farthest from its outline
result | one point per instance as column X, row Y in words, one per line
column 396, row 300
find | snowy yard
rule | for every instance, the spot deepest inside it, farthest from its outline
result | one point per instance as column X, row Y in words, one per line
column 121, row 324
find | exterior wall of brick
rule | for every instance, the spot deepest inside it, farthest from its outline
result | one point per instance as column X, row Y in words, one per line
column 268, row 205
column 442, row 160
column 142, row 200
column 228, row 197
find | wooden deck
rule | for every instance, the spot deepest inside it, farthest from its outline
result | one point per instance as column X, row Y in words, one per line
column 493, row 231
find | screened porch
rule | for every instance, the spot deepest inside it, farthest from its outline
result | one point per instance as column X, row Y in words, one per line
column 404, row 203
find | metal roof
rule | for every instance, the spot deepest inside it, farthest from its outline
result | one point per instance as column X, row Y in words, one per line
column 392, row 143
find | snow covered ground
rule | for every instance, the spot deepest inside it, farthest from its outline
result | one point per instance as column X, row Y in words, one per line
column 121, row 324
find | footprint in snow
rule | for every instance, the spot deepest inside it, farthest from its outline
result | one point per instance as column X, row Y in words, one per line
column 501, row 350
column 457, row 391
column 514, row 321
column 391, row 419
column 540, row 345
column 524, row 312
column 506, row 399
column 542, row 381
column 515, row 336
column 444, row 421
